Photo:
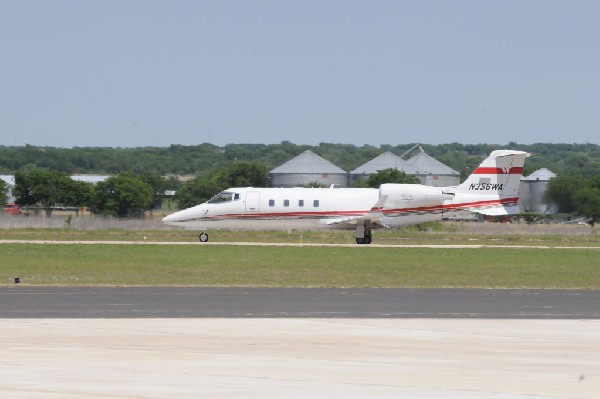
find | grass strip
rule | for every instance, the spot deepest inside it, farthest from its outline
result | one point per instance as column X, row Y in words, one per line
column 153, row 265
column 389, row 237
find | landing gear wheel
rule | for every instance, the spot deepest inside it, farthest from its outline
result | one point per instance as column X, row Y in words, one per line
column 203, row 237
column 366, row 239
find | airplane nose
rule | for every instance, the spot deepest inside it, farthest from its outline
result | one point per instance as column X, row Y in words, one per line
column 169, row 218
column 196, row 212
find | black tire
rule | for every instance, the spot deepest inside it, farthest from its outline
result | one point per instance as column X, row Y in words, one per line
column 203, row 237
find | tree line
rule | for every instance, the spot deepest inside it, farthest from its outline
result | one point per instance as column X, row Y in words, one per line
column 576, row 195
column 123, row 195
column 42, row 174
column 130, row 194
column 572, row 159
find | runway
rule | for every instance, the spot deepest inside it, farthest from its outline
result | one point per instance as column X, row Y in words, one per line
column 183, row 342
column 210, row 302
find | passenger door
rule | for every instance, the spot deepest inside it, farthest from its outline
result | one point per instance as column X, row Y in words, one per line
column 252, row 199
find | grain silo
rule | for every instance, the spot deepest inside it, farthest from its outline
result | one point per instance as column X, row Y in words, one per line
column 308, row 168
column 387, row 160
column 532, row 189
column 432, row 172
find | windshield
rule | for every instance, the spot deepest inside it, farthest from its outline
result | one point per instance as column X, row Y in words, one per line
column 224, row 196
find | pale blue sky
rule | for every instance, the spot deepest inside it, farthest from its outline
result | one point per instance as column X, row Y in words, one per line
column 124, row 73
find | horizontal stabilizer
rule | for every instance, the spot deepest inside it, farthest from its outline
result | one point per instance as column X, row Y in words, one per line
column 500, row 210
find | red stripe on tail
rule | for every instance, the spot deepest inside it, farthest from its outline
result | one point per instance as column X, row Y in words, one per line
column 498, row 171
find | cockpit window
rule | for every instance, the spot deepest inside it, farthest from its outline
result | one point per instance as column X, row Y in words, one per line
column 224, row 197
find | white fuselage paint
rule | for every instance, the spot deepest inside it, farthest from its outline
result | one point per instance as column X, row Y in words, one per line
column 279, row 208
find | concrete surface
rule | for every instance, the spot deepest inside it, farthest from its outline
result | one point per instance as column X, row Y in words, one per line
column 299, row 358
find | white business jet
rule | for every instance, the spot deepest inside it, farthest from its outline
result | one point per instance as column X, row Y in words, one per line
column 490, row 190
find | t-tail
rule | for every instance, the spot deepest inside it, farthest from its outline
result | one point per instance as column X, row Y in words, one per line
column 492, row 189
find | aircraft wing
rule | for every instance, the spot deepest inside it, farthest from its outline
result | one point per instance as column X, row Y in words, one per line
column 371, row 218
column 353, row 221
column 350, row 220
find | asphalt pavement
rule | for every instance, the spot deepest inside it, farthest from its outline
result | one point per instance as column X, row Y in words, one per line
column 20, row 301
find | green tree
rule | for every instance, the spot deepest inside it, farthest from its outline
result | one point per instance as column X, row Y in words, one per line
column 33, row 186
column 390, row 175
column 3, row 192
column 561, row 192
column 158, row 184
column 122, row 195
column 575, row 195
column 588, row 203
column 196, row 191
column 71, row 192
column 247, row 174
column 40, row 187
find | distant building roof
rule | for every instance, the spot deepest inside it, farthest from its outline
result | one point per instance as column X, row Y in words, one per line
column 8, row 179
column 542, row 174
column 90, row 178
column 386, row 160
column 427, row 165
column 308, row 162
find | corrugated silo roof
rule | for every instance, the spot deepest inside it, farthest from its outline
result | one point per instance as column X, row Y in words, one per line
column 386, row 160
column 542, row 174
column 427, row 165
column 308, row 162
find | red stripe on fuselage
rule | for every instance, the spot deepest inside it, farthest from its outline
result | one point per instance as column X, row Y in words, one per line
column 453, row 207
column 498, row 171
column 291, row 215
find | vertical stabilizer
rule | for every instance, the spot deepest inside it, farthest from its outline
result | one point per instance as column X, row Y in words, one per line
column 492, row 188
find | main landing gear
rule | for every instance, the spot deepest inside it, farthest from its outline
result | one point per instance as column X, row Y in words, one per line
column 363, row 236
column 203, row 237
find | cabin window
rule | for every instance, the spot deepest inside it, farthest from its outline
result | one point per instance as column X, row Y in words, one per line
column 316, row 203
column 300, row 203
column 271, row 202
column 286, row 202
column 236, row 196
